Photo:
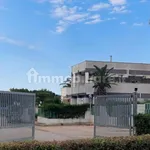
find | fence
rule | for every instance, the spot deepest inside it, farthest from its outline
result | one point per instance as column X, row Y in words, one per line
column 114, row 115
column 17, row 116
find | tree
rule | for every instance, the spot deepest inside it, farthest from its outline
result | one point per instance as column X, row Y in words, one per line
column 101, row 79
column 66, row 83
column 43, row 95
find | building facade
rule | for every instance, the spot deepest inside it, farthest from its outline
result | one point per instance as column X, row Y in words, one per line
column 66, row 94
column 127, row 77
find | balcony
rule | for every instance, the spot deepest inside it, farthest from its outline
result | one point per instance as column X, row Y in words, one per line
column 118, row 88
column 82, row 88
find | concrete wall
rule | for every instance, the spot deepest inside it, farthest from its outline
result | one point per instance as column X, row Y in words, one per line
column 60, row 121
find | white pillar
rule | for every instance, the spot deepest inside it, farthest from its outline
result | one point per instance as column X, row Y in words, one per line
column 86, row 77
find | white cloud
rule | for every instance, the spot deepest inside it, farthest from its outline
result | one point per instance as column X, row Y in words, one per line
column 113, row 18
column 95, row 16
column 119, row 6
column 63, row 11
column 96, row 19
column 56, row 1
column 66, row 13
column 120, row 9
column 118, row 2
column 68, row 20
column 123, row 23
column 60, row 29
column 11, row 41
column 61, row 22
column 93, row 21
column 61, row 26
column 76, row 17
column 143, row 1
column 51, row 1
column 138, row 24
column 67, row 16
column 99, row 6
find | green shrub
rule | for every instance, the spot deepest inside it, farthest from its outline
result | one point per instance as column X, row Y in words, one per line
column 120, row 143
column 63, row 111
column 142, row 124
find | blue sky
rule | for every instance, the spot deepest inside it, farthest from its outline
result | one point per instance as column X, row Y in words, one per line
column 53, row 35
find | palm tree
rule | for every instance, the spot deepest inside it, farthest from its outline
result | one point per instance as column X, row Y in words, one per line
column 102, row 79
column 66, row 83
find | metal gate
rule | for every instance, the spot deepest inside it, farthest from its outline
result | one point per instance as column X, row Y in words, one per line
column 17, row 116
column 113, row 115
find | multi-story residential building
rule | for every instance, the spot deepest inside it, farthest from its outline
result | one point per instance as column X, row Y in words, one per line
column 128, row 76
column 66, row 94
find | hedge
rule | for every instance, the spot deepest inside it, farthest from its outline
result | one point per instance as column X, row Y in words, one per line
column 63, row 111
column 142, row 124
column 121, row 143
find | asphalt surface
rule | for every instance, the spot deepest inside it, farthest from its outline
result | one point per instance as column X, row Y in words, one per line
column 60, row 133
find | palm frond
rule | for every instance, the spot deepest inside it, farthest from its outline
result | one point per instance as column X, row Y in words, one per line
column 104, row 69
column 66, row 83
column 97, row 68
column 108, row 71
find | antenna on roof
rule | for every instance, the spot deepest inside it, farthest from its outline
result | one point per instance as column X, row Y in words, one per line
column 110, row 58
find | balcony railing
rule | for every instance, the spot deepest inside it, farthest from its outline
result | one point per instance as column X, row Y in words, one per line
column 132, row 79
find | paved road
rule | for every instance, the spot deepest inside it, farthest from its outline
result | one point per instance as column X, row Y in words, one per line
column 76, row 132
column 63, row 133
column 59, row 133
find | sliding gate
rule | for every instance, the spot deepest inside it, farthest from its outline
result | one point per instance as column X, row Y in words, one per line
column 113, row 115
column 17, row 116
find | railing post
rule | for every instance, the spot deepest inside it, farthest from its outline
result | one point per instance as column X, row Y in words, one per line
column 94, row 98
column 131, row 116
column 134, row 109
column 33, row 125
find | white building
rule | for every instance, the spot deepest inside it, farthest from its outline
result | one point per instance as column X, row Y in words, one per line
column 66, row 94
column 128, row 76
